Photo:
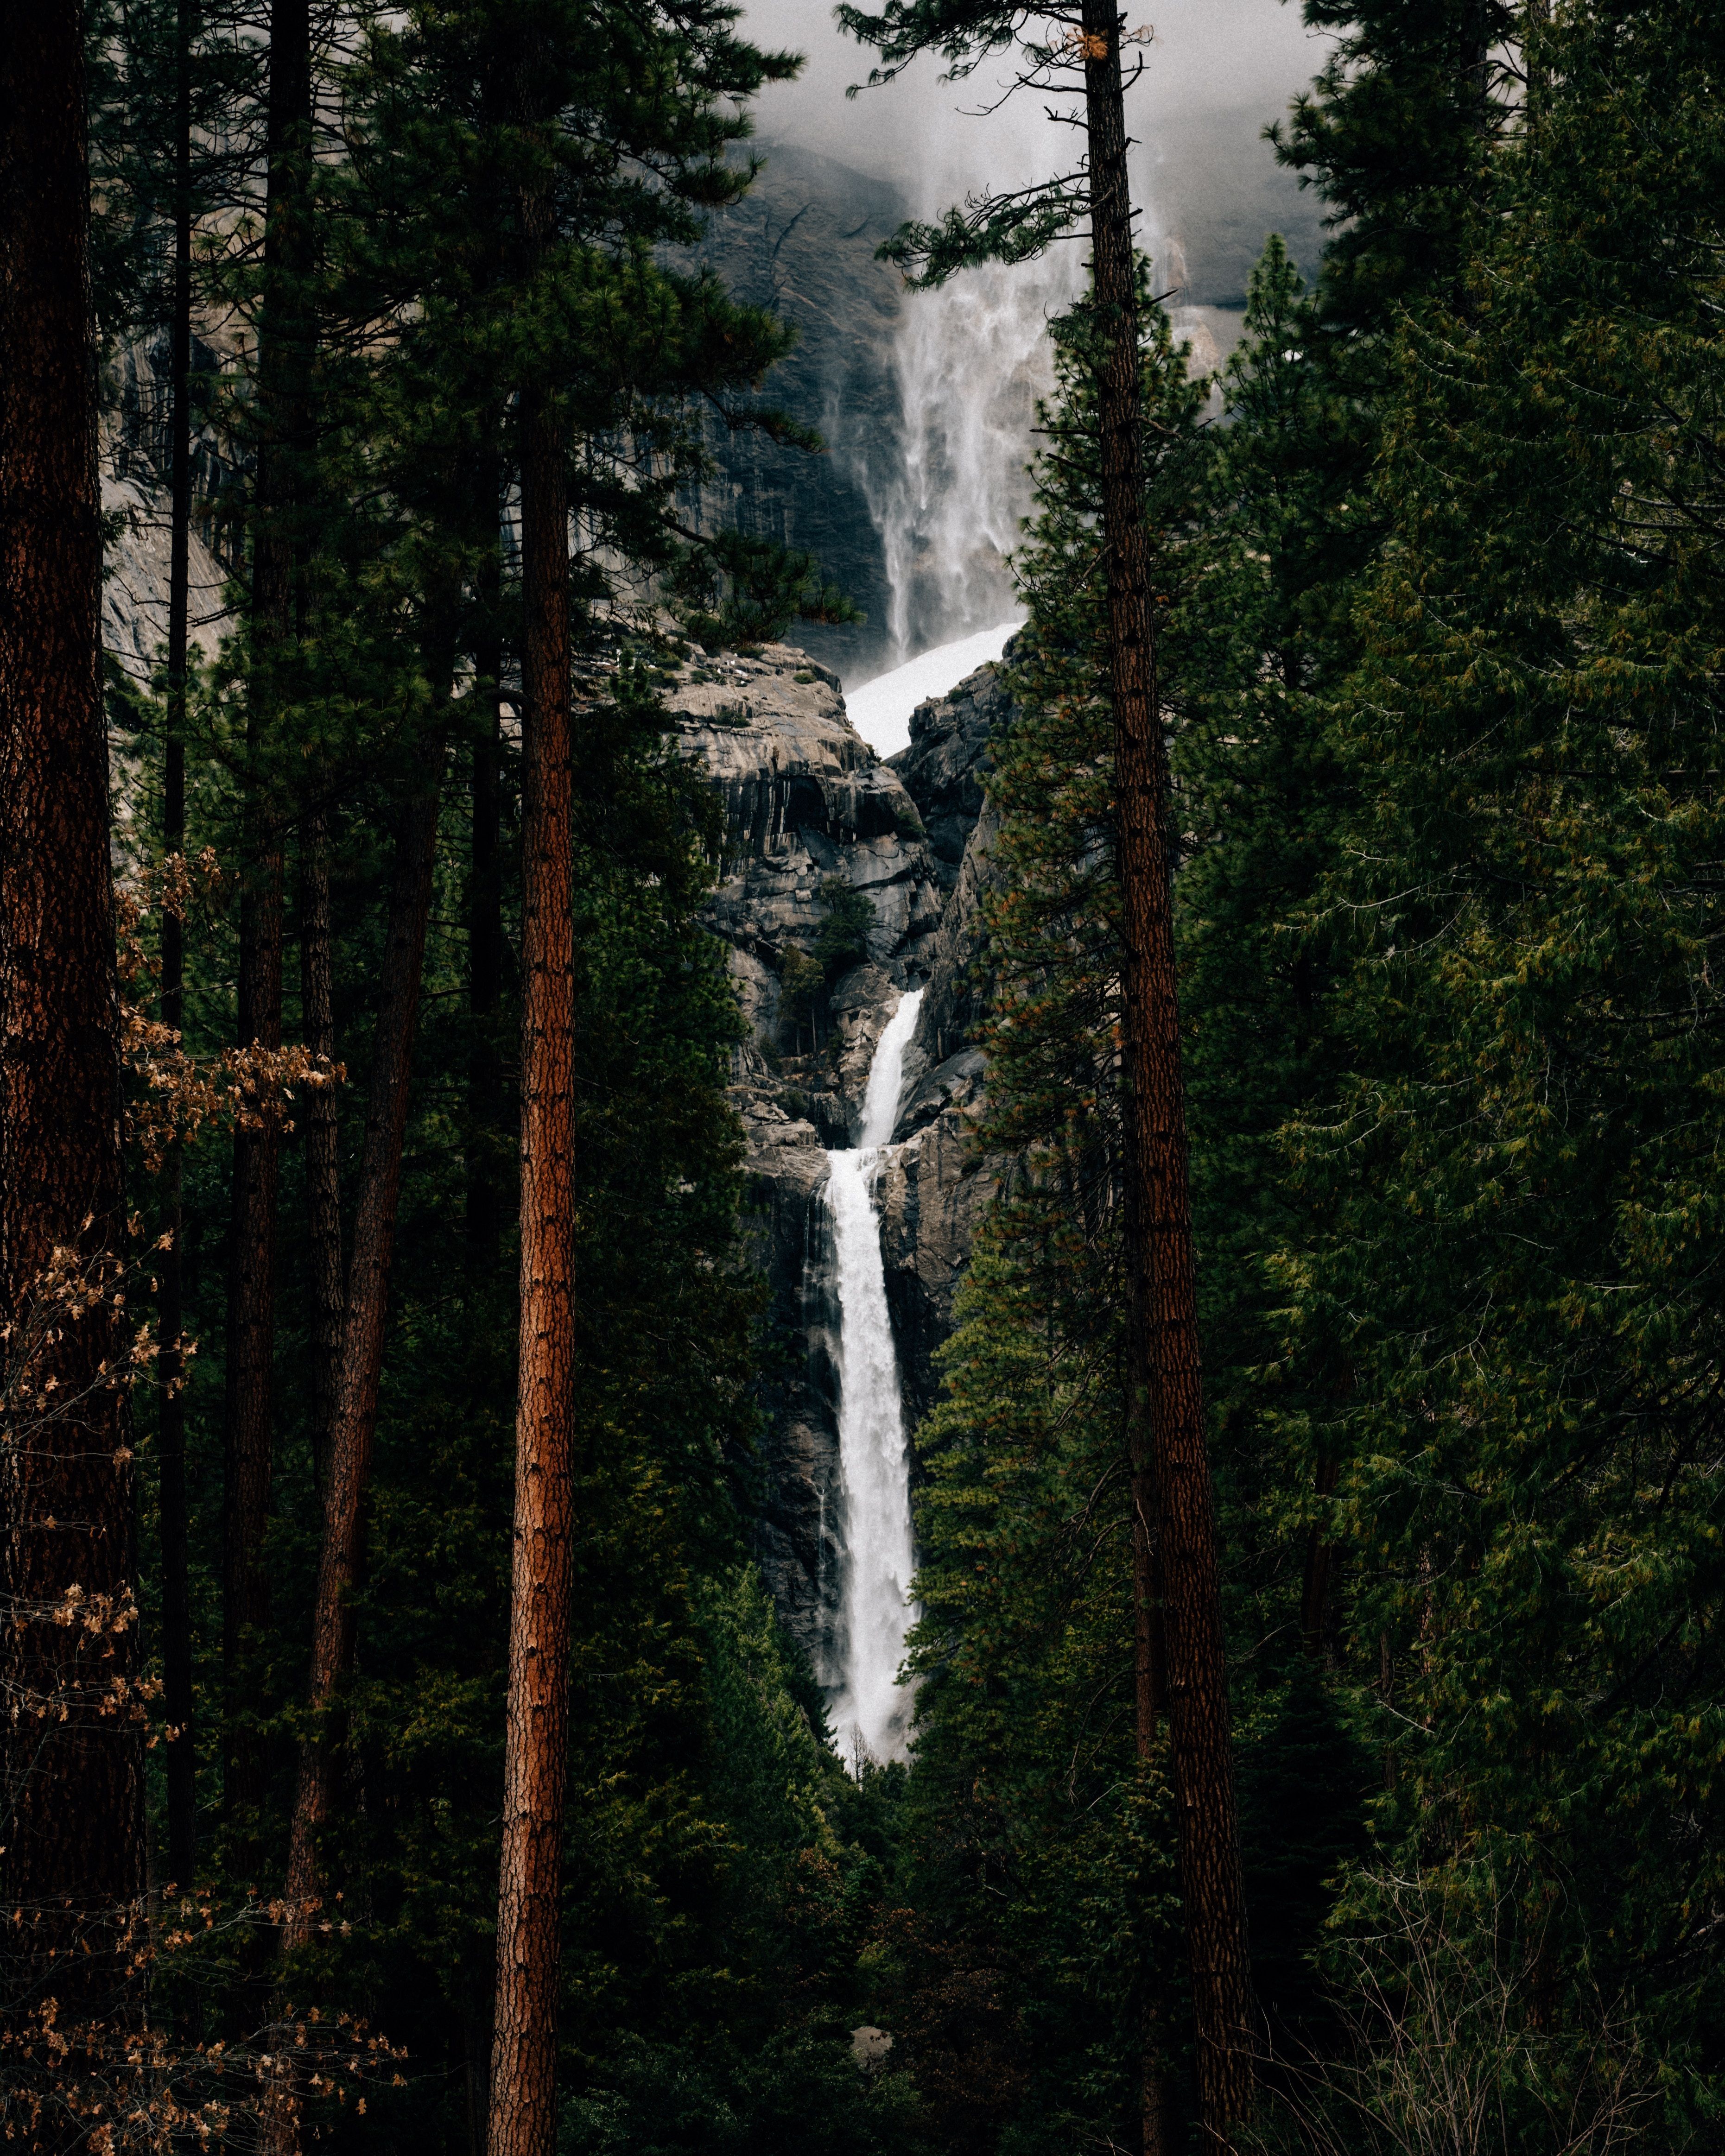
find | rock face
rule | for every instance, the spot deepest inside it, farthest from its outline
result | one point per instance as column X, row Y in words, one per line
column 944, row 767
column 809, row 811
column 811, row 814
column 936, row 1183
column 802, row 241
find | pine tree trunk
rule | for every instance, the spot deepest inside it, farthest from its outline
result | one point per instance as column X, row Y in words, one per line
column 181, row 1748
column 1190, row 1590
column 1155, row 2132
column 523, row 2119
column 72, row 1859
column 323, row 1179
column 257, row 1152
column 355, row 1420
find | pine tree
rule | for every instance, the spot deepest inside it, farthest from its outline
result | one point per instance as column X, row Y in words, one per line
column 1509, row 1167
column 1038, row 1640
column 1168, row 1392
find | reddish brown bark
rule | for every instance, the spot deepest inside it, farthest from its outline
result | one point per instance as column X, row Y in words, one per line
column 1155, row 2128
column 354, row 1423
column 71, row 1861
column 523, row 2116
column 323, row 1179
column 1161, row 1210
column 172, row 1506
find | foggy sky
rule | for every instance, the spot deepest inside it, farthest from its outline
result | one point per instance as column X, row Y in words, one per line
column 1218, row 71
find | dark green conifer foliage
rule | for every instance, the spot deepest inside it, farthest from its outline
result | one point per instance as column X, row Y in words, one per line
column 1510, row 1171
column 1442, row 641
column 689, row 1893
column 1039, row 1847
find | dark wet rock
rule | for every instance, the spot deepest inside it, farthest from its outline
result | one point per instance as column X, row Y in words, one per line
column 947, row 765
column 806, row 801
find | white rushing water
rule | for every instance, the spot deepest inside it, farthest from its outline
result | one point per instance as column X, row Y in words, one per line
column 970, row 360
column 872, row 1714
column 880, row 710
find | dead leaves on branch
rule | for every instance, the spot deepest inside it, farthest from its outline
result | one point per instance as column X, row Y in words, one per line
column 58, row 1403
column 179, row 1096
column 104, row 2087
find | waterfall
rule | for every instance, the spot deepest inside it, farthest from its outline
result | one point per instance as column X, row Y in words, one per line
column 970, row 360
column 872, row 1712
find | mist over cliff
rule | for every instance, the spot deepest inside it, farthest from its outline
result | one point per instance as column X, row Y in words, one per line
column 926, row 400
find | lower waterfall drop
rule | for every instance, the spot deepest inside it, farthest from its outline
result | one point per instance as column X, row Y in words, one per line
column 872, row 1714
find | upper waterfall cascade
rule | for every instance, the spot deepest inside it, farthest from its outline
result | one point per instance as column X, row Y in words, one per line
column 970, row 361
column 872, row 1714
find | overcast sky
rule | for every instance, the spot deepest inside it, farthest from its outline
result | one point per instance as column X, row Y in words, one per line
column 1242, row 58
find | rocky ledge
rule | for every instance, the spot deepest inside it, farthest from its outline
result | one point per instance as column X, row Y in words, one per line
column 814, row 821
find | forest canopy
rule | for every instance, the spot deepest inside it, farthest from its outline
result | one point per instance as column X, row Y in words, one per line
column 417, row 1736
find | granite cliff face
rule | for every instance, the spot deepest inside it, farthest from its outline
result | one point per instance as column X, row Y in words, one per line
column 893, row 381
column 810, row 812
column 802, row 242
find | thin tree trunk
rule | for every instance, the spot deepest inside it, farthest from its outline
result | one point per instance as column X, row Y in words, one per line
column 355, row 1421
column 1191, row 1600
column 523, row 2117
column 251, row 1336
column 181, row 1748
column 1154, row 2128
column 257, row 1152
column 71, row 1856
column 323, row 1180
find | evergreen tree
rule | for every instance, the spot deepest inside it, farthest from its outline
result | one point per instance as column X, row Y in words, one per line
column 1166, row 1396
column 1518, row 1159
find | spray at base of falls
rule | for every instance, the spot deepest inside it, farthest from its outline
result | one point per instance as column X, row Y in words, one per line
column 872, row 1712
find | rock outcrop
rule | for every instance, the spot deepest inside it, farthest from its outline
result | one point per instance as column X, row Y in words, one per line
column 947, row 761
column 936, row 1183
column 811, row 814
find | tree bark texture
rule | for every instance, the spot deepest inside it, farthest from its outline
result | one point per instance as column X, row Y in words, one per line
column 285, row 330
column 323, row 1179
column 1190, row 1592
column 1154, row 2128
column 257, row 1152
column 523, row 2115
column 354, row 1423
column 71, row 1868
column 173, row 1502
